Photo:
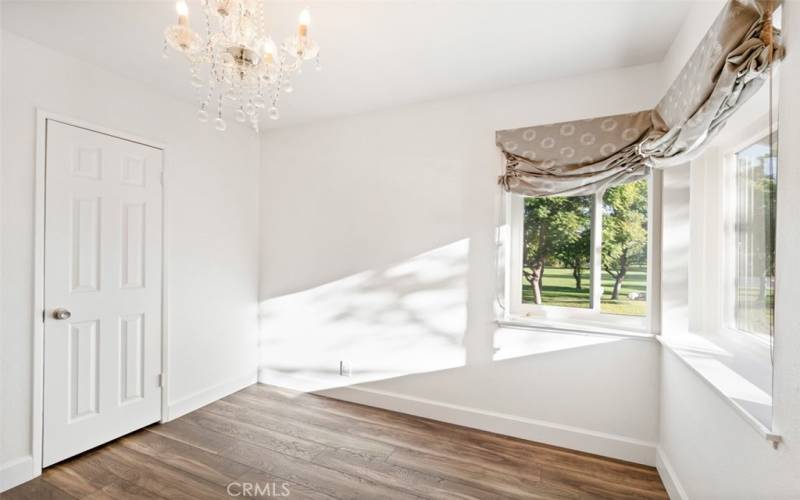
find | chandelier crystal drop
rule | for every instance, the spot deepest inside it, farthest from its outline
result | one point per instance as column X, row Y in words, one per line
column 238, row 68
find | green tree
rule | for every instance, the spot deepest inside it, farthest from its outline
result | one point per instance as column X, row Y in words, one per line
column 624, row 230
column 551, row 226
column 573, row 251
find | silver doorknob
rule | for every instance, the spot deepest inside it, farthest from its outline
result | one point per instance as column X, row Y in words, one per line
column 61, row 313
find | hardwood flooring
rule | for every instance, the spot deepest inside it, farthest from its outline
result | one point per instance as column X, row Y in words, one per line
column 266, row 441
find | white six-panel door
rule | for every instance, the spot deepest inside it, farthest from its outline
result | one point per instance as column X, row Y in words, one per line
column 103, row 217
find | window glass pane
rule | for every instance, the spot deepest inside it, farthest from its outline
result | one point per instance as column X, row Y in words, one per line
column 556, row 250
column 624, row 249
column 754, row 235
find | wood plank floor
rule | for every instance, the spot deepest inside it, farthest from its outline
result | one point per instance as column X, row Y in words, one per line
column 266, row 441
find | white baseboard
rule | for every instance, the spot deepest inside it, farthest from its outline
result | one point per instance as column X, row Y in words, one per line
column 566, row 436
column 669, row 477
column 15, row 472
column 206, row 396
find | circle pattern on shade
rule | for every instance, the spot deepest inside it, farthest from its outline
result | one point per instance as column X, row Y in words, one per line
column 608, row 148
column 630, row 134
column 608, row 125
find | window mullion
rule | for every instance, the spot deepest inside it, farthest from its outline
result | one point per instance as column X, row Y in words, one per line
column 596, row 247
column 516, row 214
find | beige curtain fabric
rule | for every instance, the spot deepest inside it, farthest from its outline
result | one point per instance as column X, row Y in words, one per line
column 586, row 156
column 727, row 68
column 574, row 158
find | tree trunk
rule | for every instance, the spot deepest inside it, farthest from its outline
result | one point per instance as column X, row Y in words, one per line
column 620, row 277
column 536, row 282
column 617, row 286
column 535, row 263
column 576, row 273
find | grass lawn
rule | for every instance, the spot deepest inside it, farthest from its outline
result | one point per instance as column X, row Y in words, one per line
column 559, row 290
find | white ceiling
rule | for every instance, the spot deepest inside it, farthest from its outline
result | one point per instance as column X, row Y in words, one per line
column 377, row 54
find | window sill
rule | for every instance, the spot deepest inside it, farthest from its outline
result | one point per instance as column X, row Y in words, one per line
column 712, row 359
column 572, row 328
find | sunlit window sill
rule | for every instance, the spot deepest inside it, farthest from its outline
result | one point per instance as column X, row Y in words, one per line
column 514, row 342
column 730, row 374
column 573, row 328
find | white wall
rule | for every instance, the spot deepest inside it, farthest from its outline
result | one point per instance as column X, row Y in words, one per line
column 211, row 228
column 378, row 248
column 675, row 250
column 707, row 449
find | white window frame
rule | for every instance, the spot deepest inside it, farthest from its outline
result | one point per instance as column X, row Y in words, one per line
column 727, row 321
column 590, row 318
column 744, row 129
column 712, row 328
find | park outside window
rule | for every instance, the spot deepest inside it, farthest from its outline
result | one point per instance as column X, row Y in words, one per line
column 581, row 259
column 624, row 250
column 751, row 239
column 556, row 251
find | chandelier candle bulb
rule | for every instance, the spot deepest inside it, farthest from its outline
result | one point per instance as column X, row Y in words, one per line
column 270, row 49
column 183, row 12
column 304, row 22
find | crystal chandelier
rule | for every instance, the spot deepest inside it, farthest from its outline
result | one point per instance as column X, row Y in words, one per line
column 238, row 66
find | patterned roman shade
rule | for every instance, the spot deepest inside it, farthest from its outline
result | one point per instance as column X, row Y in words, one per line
column 586, row 156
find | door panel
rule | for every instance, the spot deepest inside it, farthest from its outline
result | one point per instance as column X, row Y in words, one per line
column 133, row 245
column 103, row 217
column 84, row 362
column 131, row 355
column 85, row 244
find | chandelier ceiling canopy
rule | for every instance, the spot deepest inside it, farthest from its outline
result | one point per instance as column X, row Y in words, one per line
column 237, row 66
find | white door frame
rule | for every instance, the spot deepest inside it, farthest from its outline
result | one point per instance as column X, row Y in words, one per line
column 42, row 116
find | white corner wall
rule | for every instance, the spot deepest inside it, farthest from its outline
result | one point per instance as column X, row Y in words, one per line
column 706, row 449
column 377, row 237
column 212, row 228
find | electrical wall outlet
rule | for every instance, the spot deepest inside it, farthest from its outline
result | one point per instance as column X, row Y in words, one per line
column 345, row 368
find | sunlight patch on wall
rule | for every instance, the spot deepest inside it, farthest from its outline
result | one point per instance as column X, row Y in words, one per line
column 409, row 317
